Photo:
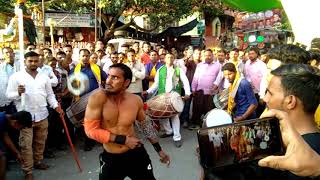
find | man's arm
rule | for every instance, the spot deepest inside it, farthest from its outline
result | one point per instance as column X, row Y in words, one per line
column 12, row 89
column 218, row 80
column 185, row 83
column 145, row 124
column 8, row 142
column 194, row 84
column 252, row 100
column 155, row 85
column 93, row 117
column 53, row 79
column 139, row 72
column 149, row 132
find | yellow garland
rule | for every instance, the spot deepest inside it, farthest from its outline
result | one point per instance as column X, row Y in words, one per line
column 95, row 69
column 231, row 103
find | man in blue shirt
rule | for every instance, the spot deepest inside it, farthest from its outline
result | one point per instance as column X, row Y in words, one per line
column 93, row 72
column 17, row 121
column 245, row 103
column 86, row 68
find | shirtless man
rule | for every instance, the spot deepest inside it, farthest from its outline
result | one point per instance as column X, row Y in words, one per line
column 109, row 119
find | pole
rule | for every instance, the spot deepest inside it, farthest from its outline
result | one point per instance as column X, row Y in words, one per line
column 74, row 153
column 43, row 24
column 21, row 43
column 95, row 21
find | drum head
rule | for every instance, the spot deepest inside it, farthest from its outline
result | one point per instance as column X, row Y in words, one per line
column 176, row 101
column 217, row 117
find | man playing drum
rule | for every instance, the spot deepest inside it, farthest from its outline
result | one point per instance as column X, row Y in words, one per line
column 109, row 119
column 167, row 79
column 241, row 96
column 96, row 77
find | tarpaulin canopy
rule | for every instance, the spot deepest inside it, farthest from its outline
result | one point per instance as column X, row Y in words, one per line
column 253, row 5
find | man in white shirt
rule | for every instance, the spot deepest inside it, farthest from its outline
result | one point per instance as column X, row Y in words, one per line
column 46, row 69
column 169, row 73
column 31, row 91
column 110, row 61
column 7, row 68
column 138, row 73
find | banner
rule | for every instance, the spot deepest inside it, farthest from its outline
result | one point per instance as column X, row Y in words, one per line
column 70, row 20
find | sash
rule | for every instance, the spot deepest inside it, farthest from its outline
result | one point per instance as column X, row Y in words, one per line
column 94, row 68
column 96, row 71
column 233, row 91
column 175, row 80
column 153, row 74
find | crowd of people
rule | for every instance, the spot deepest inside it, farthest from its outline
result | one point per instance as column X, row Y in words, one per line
column 279, row 79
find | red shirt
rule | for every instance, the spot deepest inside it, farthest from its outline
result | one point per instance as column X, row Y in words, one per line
column 145, row 58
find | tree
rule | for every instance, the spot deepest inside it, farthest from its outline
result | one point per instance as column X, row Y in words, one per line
column 160, row 12
column 7, row 6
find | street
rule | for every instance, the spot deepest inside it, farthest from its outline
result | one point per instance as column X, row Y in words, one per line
column 184, row 162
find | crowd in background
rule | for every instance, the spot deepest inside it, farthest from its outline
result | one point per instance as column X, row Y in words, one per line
column 202, row 67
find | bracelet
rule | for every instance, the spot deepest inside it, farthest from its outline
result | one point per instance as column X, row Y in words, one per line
column 157, row 147
column 120, row 139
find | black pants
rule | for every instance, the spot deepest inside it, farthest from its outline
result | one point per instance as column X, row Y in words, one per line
column 202, row 104
column 134, row 163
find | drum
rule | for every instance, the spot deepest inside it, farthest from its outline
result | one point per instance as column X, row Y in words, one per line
column 216, row 117
column 77, row 110
column 220, row 100
column 164, row 106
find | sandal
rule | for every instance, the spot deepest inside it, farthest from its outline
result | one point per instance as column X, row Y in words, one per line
column 41, row 166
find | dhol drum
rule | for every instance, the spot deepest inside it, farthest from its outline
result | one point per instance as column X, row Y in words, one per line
column 164, row 106
column 216, row 117
column 220, row 100
column 77, row 110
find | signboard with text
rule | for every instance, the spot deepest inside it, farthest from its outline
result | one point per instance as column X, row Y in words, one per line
column 70, row 20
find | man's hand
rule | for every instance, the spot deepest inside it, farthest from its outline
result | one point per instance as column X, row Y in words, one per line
column 59, row 110
column 238, row 119
column 19, row 158
column 144, row 93
column 300, row 158
column 21, row 89
column 186, row 97
column 132, row 142
column 164, row 158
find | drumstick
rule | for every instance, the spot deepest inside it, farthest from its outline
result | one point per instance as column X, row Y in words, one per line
column 75, row 155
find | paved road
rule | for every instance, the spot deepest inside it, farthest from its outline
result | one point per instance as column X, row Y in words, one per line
column 184, row 165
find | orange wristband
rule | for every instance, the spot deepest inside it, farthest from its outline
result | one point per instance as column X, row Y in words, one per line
column 94, row 131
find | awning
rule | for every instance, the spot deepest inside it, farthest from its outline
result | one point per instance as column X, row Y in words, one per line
column 178, row 31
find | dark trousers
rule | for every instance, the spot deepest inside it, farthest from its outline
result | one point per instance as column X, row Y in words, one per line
column 56, row 137
column 261, row 106
column 134, row 163
column 202, row 103
column 65, row 103
column 184, row 116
